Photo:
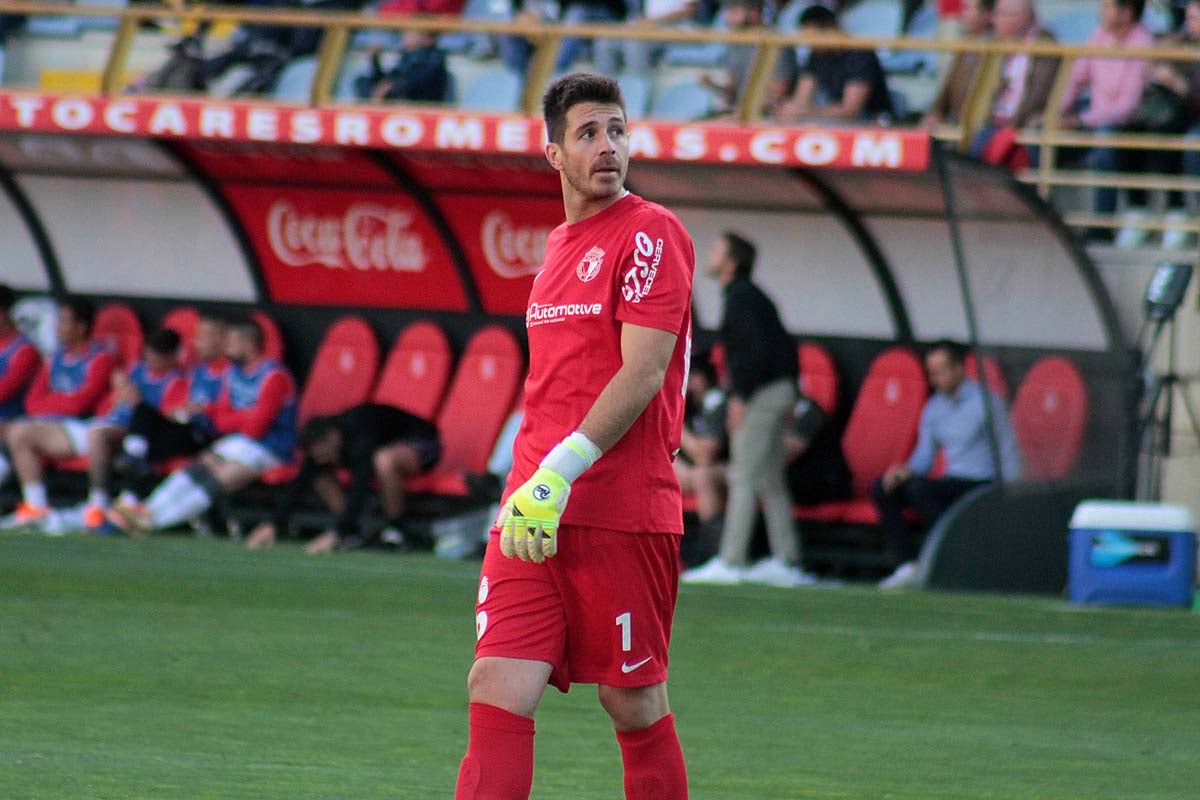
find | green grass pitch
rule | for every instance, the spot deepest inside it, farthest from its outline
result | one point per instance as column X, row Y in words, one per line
column 186, row 669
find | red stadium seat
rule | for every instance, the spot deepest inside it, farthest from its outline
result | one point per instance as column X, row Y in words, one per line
column 119, row 330
column 993, row 375
column 485, row 384
column 183, row 320
column 343, row 370
column 819, row 378
column 272, row 338
column 417, row 371
column 881, row 431
column 1048, row 416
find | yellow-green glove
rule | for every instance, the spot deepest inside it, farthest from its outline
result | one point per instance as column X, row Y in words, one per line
column 529, row 520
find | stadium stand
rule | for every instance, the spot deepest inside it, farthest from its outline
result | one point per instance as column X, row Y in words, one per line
column 1049, row 414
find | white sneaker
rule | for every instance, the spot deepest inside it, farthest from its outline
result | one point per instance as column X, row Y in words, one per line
column 1176, row 238
column 714, row 571
column 776, row 572
column 1131, row 236
column 906, row 576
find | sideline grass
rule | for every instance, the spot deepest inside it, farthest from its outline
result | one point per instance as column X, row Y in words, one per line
column 177, row 668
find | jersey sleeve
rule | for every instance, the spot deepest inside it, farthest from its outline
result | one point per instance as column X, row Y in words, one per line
column 654, row 277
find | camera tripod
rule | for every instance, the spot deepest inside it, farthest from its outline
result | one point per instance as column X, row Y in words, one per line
column 1155, row 425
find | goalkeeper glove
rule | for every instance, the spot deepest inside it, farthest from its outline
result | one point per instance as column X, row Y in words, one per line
column 528, row 521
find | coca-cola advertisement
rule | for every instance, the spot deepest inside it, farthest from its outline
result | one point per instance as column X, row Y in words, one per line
column 356, row 248
column 504, row 239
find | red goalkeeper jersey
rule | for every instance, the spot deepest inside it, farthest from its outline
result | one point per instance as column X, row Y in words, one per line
column 630, row 263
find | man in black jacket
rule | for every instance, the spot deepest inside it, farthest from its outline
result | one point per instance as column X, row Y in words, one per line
column 763, row 365
column 372, row 441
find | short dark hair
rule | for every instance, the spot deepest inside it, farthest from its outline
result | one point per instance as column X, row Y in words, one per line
column 8, row 298
column 82, row 310
column 571, row 90
column 164, row 341
column 742, row 251
column 249, row 327
column 955, row 351
column 1136, row 7
column 818, row 16
column 315, row 430
column 987, row 5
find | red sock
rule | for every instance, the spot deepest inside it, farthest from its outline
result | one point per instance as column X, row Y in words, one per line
column 499, row 760
column 654, row 768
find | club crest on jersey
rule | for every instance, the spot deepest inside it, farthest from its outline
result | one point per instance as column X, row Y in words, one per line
column 589, row 267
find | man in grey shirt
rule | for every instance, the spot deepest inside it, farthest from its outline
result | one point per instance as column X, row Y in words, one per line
column 954, row 421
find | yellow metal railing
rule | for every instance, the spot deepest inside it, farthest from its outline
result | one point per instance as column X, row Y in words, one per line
column 547, row 38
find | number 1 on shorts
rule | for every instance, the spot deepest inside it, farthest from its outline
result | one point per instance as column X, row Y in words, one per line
column 624, row 621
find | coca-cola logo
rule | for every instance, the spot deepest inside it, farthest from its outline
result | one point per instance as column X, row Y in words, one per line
column 513, row 251
column 367, row 236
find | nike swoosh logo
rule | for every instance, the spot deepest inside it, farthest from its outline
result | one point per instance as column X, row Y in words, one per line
column 627, row 668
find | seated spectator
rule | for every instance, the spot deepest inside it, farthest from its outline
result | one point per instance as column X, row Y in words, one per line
column 155, row 436
column 1113, row 88
column 730, row 82
column 8, row 24
column 1182, row 80
column 700, row 465
column 419, row 73
column 374, row 442
column 1025, row 80
column 640, row 56
column 817, row 471
column 66, row 391
column 517, row 50
column 954, row 421
column 837, row 83
column 19, row 363
column 1191, row 35
column 951, row 99
column 255, row 418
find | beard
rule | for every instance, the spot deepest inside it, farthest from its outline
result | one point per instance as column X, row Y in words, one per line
column 580, row 181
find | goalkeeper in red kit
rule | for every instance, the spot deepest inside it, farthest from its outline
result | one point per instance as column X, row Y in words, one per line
column 579, row 581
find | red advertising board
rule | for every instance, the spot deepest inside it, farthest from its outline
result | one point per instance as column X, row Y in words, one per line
column 341, row 247
column 417, row 130
column 504, row 238
column 258, row 163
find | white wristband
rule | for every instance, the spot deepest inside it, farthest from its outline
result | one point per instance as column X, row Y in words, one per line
column 572, row 456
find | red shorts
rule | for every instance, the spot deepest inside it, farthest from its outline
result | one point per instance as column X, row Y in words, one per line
column 598, row 612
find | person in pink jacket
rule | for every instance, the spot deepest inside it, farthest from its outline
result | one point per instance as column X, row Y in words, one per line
column 1113, row 87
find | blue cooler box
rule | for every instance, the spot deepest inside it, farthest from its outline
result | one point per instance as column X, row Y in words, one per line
column 1132, row 554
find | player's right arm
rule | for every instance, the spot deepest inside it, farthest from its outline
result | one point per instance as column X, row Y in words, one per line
column 529, row 520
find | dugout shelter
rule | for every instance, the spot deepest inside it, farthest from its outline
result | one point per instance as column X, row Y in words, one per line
column 870, row 239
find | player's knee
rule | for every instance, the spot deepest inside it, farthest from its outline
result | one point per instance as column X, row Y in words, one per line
column 634, row 709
